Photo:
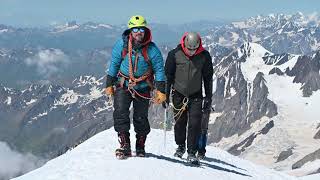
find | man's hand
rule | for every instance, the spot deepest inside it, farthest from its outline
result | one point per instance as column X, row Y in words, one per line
column 207, row 104
column 109, row 91
column 159, row 97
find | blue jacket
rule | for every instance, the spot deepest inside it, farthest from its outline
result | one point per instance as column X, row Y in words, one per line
column 122, row 64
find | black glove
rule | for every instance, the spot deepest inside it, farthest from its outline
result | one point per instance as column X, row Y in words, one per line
column 167, row 91
column 207, row 104
column 160, row 86
column 111, row 81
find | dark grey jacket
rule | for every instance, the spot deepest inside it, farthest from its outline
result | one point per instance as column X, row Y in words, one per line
column 186, row 74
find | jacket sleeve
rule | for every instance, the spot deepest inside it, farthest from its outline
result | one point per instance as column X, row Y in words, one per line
column 170, row 70
column 207, row 73
column 111, row 81
column 157, row 62
column 115, row 59
column 157, row 67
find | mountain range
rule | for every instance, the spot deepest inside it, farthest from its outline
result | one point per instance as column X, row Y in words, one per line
column 266, row 87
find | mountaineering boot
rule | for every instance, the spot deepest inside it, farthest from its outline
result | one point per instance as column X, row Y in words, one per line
column 141, row 139
column 201, row 155
column 193, row 159
column 180, row 150
column 202, row 142
column 125, row 149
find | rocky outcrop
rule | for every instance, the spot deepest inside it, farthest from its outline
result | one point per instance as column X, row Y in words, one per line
column 284, row 155
column 308, row 158
column 238, row 148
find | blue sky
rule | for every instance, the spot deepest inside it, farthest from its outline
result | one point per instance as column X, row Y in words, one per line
column 45, row 12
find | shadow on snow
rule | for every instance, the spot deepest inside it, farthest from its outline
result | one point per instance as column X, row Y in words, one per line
column 202, row 163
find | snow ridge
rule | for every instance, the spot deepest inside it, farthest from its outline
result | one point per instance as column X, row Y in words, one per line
column 94, row 159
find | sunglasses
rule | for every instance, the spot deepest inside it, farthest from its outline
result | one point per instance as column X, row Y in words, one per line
column 135, row 30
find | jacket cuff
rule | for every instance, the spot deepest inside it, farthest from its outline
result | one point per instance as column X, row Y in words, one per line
column 161, row 86
column 111, row 81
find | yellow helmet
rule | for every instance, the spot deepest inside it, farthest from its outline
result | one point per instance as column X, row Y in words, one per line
column 137, row 21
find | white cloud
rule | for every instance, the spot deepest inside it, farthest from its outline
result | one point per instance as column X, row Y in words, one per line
column 13, row 163
column 48, row 61
column 54, row 23
column 314, row 17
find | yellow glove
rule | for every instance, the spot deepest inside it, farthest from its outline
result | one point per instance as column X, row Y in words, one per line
column 109, row 91
column 159, row 97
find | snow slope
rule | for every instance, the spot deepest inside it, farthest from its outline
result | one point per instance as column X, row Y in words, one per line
column 311, row 177
column 94, row 160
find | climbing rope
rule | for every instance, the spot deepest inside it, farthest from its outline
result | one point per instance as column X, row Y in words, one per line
column 132, row 80
column 134, row 92
column 131, row 76
column 177, row 115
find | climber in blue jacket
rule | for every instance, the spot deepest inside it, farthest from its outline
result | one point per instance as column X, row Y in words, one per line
column 136, row 69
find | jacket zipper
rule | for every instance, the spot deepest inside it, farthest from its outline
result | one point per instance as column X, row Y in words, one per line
column 188, row 78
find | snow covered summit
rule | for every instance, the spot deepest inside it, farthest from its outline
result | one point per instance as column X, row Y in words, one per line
column 94, row 160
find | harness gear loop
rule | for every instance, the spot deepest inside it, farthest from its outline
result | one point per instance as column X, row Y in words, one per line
column 185, row 102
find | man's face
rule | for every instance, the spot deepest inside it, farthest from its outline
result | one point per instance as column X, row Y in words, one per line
column 138, row 34
column 191, row 52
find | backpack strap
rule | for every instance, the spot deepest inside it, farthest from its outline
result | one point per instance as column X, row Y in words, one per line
column 150, row 79
column 124, row 53
column 145, row 53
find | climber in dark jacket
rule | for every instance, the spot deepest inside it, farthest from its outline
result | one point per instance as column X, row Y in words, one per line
column 187, row 68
